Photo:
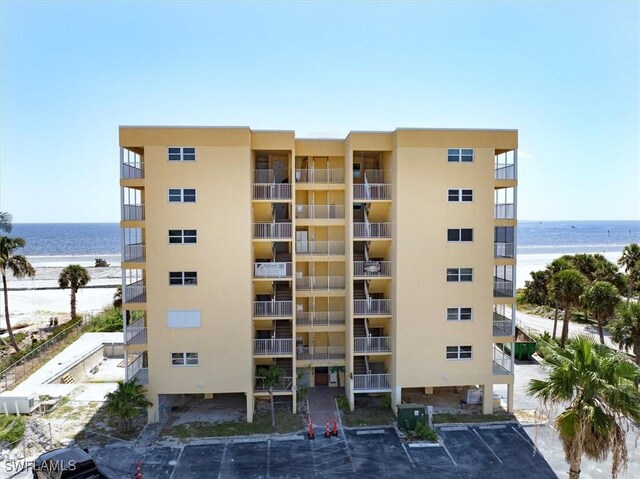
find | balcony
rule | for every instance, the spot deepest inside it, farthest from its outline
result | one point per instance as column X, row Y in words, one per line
column 505, row 171
column 320, row 283
column 131, row 170
column 372, row 307
column 273, row 309
column 504, row 250
column 272, row 230
column 272, row 191
column 368, row 191
column 371, row 344
column 272, row 347
column 319, row 352
column 505, row 211
column 273, row 269
column 320, row 247
column 503, row 288
column 134, row 370
column 372, row 268
column 135, row 333
column 322, row 212
column 334, row 176
column 502, row 362
column 372, row 382
column 134, row 293
column 502, row 326
column 132, row 212
column 284, row 384
column 320, row 318
column 372, row 230
column 134, row 253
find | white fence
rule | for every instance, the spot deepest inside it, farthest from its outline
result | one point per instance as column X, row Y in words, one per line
column 320, row 318
column 272, row 346
column 372, row 382
column 372, row 306
column 319, row 211
column 505, row 211
column 274, row 191
column 372, row 230
column 320, row 247
column 132, row 212
column 136, row 332
column 312, row 283
column 503, row 250
column 134, row 252
column 372, row 268
column 504, row 171
column 272, row 230
column 320, row 352
column 134, row 293
column 272, row 308
column 372, row 344
column 284, row 384
column 503, row 289
column 370, row 191
column 502, row 362
column 131, row 171
column 333, row 175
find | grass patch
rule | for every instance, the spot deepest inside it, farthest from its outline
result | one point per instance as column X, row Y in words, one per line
column 109, row 320
column 62, row 408
column 285, row 423
column 11, row 428
column 368, row 412
column 448, row 418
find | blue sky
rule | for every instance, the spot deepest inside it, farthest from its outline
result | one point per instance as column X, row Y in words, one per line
column 566, row 75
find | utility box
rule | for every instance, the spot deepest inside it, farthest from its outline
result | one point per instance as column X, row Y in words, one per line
column 409, row 415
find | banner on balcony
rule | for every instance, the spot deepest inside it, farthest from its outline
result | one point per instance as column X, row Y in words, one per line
column 372, row 267
column 271, row 270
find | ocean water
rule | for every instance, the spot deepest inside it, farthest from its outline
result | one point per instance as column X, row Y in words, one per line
column 69, row 239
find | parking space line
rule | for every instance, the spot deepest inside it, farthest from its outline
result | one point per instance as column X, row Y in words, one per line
column 224, row 453
column 408, row 456
column 449, row 454
column 177, row 462
column 268, row 457
column 530, row 443
column 488, row 447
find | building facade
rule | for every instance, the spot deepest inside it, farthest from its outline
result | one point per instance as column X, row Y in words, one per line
column 381, row 262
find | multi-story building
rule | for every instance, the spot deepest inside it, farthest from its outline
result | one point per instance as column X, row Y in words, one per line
column 380, row 262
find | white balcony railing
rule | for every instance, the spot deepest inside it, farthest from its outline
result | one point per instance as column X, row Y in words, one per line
column 131, row 171
column 134, row 293
column 371, row 382
column 136, row 332
column 274, row 191
column 320, row 283
column 134, row 252
column 132, row 212
column 503, row 250
column 272, row 347
column 372, row 268
column 505, row 211
column 502, row 362
column 372, row 306
column 273, row 269
column 333, row 175
column 502, row 288
column 372, row 230
column 502, row 327
column 284, row 384
column 320, row 247
column 505, row 171
column 371, row 191
column 319, row 212
column 272, row 308
column 135, row 370
column 272, row 230
column 320, row 318
column 372, row 344
column 320, row 352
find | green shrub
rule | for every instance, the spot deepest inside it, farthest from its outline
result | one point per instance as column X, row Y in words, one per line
column 109, row 320
column 421, row 432
column 385, row 402
column 343, row 404
column 11, row 428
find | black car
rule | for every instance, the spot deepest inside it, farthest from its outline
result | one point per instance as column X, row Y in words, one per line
column 66, row 463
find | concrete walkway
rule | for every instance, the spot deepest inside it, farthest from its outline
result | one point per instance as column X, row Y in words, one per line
column 322, row 406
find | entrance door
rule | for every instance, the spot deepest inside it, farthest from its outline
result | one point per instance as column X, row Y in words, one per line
column 321, row 376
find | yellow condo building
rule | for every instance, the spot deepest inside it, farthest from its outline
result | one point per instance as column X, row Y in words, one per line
column 382, row 262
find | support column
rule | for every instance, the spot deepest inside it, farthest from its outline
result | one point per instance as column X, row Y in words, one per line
column 510, row 398
column 487, row 399
column 208, row 395
column 294, row 400
column 350, row 396
column 153, row 413
column 249, row 406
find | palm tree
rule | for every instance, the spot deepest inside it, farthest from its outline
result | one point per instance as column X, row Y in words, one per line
column 608, row 271
column 127, row 402
column 19, row 267
column 595, row 385
column 75, row 277
column 625, row 330
column 271, row 377
column 536, row 291
column 567, row 286
column 602, row 298
column 117, row 298
column 554, row 267
column 630, row 261
column 5, row 222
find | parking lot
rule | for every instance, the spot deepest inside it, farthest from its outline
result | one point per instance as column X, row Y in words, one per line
column 501, row 451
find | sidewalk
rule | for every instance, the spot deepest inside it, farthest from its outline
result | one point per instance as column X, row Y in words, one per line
column 322, row 405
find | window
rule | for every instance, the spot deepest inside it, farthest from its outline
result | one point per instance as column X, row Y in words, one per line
column 459, row 352
column 184, row 359
column 460, row 234
column 459, row 274
column 459, row 314
column 181, row 153
column 183, row 319
column 460, row 194
column 182, row 195
column 183, row 236
column 183, row 278
column 460, row 155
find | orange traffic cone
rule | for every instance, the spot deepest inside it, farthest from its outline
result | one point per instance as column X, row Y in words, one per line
column 335, row 427
column 138, row 470
column 327, row 432
column 311, row 433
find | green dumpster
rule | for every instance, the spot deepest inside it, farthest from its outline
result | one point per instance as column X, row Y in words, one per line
column 410, row 414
